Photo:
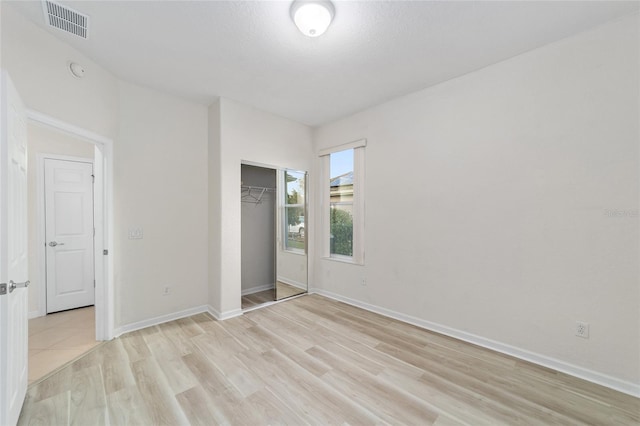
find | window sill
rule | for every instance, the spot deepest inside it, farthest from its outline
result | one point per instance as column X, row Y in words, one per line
column 345, row 259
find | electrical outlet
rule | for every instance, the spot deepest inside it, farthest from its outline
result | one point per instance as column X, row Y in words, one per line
column 582, row 329
column 136, row 233
column 166, row 291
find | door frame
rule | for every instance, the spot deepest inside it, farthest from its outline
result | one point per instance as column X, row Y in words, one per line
column 103, row 218
column 41, row 221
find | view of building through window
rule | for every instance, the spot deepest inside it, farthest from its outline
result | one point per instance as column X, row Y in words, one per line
column 341, row 203
column 294, row 183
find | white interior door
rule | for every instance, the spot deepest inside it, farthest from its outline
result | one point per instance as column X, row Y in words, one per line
column 69, row 234
column 13, row 253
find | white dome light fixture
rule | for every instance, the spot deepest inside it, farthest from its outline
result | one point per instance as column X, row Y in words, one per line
column 312, row 17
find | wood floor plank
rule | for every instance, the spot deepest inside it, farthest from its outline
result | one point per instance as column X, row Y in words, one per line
column 127, row 407
column 298, row 355
column 198, row 407
column 312, row 360
column 135, row 346
column 385, row 400
column 218, row 338
column 52, row 411
column 313, row 399
column 115, row 368
column 282, row 327
column 259, row 298
column 156, row 393
column 57, row 383
column 242, row 331
column 273, row 411
column 232, row 369
column 210, row 378
column 169, row 359
column 87, row 402
column 173, row 332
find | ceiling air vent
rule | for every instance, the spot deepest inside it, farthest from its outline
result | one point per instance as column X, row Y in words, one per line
column 65, row 19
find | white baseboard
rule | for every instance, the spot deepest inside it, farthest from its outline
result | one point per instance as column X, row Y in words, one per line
column 543, row 360
column 257, row 289
column 159, row 320
column 221, row 316
column 297, row 284
column 177, row 315
column 34, row 314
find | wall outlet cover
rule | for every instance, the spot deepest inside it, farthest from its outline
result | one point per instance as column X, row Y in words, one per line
column 582, row 329
column 136, row 233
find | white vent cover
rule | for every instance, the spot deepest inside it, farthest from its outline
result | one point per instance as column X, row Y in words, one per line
column 65, row 19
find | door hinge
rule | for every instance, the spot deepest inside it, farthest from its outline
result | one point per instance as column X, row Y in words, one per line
column 93, row 178
column 105, row 252
column 3, row 289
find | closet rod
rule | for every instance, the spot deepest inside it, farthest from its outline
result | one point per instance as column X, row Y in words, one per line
column 248, row 197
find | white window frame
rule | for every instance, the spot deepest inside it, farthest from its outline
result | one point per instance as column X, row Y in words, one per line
column 358, row 201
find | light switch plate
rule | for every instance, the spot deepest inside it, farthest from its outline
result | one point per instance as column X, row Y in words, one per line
column 136, row 233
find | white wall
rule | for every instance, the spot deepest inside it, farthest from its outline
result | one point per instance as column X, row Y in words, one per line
column 487, row 200
column 38, row 65
column 255, row 136
column 214, row 147
column 160, row 168
column 258, row 242
column 42, row 140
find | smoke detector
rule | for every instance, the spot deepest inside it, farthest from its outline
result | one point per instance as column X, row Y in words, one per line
column 76, row 69
column 66, row 19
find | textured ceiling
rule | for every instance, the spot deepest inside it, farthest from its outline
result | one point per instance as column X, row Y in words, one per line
column 252, row 52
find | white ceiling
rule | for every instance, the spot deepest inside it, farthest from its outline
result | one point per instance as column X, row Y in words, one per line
column 252, row 52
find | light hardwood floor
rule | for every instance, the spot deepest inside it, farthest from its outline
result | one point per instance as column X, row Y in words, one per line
column 256, row 299
column 281, row 291
column 284, row 291
column 312, row 360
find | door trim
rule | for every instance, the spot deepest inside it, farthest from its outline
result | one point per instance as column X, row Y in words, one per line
column 41, row 228
column 103, row 218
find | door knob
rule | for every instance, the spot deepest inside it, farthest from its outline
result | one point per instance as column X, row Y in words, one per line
column 54, row 243
column 13, row 285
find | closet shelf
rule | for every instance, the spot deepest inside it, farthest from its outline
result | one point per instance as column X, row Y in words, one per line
column 254, row 194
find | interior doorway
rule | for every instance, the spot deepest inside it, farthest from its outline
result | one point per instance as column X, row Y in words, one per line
column 60, row 190
column 70, row 217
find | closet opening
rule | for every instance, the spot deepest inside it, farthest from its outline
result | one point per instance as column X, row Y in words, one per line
column 258, row 240
column 273, row 234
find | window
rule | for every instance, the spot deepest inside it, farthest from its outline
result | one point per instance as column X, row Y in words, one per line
column 294, row 217
column 343, row 222
column 341, row 203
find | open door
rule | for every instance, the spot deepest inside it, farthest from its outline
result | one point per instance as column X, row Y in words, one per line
column 13, row 253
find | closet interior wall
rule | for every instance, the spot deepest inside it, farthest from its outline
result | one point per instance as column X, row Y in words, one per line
column 258, row 228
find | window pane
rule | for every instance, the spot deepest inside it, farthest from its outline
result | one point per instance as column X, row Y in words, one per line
column 341, row 176
column 294, row 187
column 341, row 203
column 294, row 227
column 341, row 228
column 294, row 217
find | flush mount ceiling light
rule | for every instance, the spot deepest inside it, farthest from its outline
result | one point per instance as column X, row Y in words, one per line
column 312, row 17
